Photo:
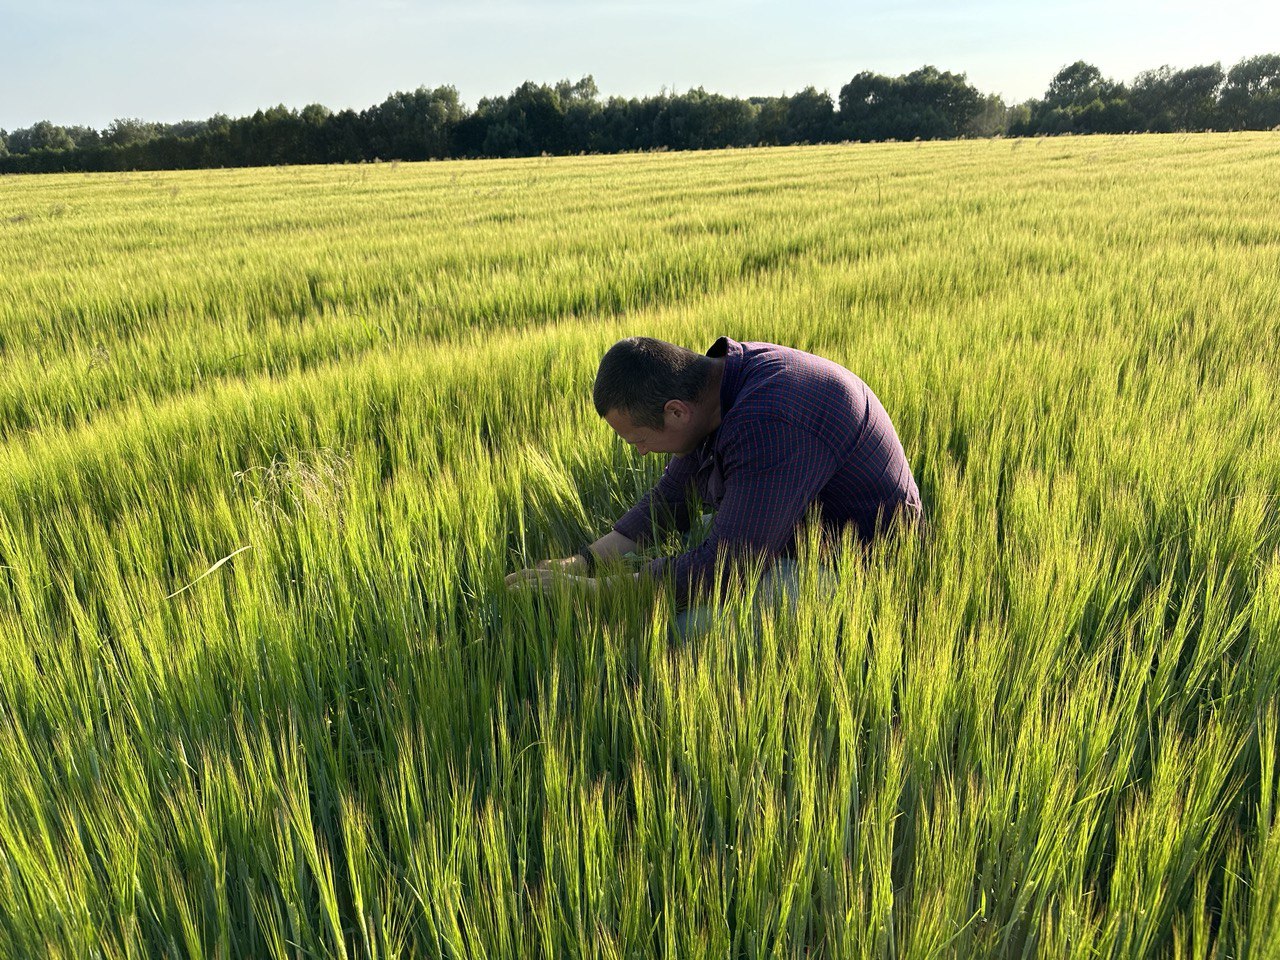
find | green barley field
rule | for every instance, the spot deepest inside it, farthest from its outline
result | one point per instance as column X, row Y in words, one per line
column 271, row 439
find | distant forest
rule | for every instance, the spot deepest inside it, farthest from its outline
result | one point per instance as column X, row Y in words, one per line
column 570, row 118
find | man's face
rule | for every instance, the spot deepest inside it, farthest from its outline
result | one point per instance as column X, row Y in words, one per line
column 678, row 434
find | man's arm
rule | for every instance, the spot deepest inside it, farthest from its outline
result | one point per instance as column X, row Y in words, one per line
column 575, row 568
column 772, row 472
column 662, row 508
column 612, row 544
column 608, row 547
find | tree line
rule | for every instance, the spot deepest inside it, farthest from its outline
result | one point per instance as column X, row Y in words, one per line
column 569, row 117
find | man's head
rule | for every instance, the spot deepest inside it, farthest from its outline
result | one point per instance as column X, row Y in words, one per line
column 657, row 396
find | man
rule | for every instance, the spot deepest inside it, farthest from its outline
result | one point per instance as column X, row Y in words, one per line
column 761, row 432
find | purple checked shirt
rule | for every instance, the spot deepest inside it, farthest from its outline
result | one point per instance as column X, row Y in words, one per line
column 795, row 430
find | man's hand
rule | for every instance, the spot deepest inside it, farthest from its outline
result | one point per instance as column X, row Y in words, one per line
column 571, row 571
column 548, row 573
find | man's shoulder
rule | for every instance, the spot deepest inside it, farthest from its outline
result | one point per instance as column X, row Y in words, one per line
column 785, row 379
column 815, row 396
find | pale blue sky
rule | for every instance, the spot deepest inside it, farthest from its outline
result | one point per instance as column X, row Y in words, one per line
column 81, row 61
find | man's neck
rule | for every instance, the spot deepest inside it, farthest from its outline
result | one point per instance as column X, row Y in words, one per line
column 713, row 396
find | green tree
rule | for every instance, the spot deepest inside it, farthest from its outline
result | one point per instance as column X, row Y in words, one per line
column 505, row 139
column 43, row 135
column 1168, row 99
column 771, row 120
column 1250, row 97
column 580, row 91
column 810, row 116
column 537, row 111
column 1115, row 115
column 1080, row 99
column 991, row 119
column 83, row 137
column 1194, row 96
column 184, row 128
column 126, row 131
column 942, row 104
column 344, row 137
column 627, row 124
column 531, row 120
column 862, row 102
column 1021, row 122
column 414, row 126
column 1149, row 96
column 698, row 120
column 1077, row 85
column 926, row 103
column 583, row 115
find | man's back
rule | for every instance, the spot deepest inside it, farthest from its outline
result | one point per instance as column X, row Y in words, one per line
column 826, row 402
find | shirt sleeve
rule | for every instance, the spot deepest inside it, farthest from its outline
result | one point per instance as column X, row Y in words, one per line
column 663, row 508
column 772, row 472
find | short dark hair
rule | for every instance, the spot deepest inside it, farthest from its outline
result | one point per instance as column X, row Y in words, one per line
column 638, row 375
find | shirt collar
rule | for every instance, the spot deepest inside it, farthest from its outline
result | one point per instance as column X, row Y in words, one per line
column 730, row 381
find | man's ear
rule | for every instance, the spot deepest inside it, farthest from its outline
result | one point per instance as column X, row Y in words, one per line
column 677, row 409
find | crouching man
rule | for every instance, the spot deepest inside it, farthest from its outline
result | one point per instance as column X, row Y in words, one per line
column 762, row 433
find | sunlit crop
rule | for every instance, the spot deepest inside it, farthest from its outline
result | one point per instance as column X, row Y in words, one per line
column 1049, row 728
